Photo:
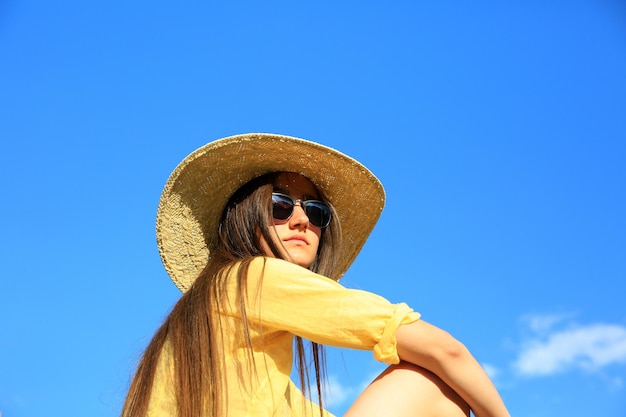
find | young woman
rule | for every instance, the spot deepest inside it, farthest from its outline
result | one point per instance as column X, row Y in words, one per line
column 256, row 230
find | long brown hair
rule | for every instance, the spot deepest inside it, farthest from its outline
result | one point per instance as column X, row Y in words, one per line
column 192, row 332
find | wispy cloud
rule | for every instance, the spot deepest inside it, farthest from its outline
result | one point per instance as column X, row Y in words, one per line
column 491, row 370
column 552, row 350
column 544, row 322
column 337, row 393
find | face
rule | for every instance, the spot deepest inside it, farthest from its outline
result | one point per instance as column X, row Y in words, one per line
column 298, row 238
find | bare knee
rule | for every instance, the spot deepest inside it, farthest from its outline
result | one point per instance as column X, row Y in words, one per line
column 408, row 390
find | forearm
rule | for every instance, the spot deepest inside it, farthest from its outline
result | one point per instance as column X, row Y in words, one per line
column 465, row 376
column 432, row 348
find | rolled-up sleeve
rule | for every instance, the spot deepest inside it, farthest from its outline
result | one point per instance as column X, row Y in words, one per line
column 285, row 297
column 386, row 349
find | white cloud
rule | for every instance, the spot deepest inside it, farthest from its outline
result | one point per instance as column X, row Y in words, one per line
column 589, row 347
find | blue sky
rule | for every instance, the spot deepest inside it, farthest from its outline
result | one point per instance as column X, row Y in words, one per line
column 498, row 130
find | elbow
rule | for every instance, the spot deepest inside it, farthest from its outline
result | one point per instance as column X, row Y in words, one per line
column 450, row 350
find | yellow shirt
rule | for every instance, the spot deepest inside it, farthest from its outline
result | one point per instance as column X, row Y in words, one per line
column 284, row 300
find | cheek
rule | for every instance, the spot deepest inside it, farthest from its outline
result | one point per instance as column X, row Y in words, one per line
column 318, row 237
column 280, row 230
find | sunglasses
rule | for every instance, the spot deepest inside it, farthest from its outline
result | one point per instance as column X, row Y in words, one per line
column 318, row 212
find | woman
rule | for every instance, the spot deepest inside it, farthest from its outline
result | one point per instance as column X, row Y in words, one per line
column 256, row 230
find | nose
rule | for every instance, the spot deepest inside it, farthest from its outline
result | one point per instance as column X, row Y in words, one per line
column 298, row 218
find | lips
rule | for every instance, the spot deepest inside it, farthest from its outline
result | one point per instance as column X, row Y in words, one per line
column 297, row 239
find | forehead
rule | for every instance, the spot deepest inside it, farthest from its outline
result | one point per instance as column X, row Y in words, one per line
column 295, row 185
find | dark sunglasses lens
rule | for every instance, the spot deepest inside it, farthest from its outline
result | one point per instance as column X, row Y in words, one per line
column 282, row 207
column 318, row 214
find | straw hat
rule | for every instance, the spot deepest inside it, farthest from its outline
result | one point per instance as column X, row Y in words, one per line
column 197, row 191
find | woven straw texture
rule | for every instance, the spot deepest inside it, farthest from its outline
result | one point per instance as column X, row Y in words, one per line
column 199, row 188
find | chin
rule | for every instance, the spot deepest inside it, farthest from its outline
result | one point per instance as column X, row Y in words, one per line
column 304, row 262
column 306, row 265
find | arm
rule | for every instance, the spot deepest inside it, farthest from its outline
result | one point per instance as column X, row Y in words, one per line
column 434, row 349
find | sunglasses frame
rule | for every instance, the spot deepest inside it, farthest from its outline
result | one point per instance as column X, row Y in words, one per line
column 304, row 204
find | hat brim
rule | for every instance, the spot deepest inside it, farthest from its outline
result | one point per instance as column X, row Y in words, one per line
column 198, row 189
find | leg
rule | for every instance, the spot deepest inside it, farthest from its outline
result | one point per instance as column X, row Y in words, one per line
column 408, row 390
